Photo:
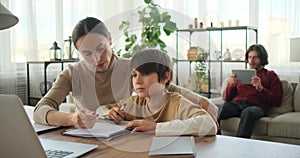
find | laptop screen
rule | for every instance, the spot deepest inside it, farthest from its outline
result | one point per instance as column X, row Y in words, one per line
column 17, row 133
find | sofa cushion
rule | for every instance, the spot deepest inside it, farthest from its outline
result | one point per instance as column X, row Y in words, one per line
column 261, row 126
column 232, row 124
column 285, row 125
column 297, row 98
column 287, row 100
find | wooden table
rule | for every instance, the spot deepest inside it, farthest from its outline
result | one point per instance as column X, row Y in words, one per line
column 138, row 145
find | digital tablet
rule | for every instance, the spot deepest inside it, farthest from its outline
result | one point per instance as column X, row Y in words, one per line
column 244, row 75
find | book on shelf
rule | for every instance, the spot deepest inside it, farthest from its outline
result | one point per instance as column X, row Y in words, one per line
column 103, row 130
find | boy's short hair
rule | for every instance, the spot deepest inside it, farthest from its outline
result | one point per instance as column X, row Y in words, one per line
column 152, row 60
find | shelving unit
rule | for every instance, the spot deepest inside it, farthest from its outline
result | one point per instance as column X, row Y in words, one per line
column 210, row 61
column 45, row 64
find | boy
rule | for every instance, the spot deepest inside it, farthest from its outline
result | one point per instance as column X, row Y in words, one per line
column 154, row 108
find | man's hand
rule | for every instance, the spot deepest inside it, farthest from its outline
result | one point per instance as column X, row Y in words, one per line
column 116, row 114
column 255, row 81
column 84, row 118
column 233, row 81
column 141, row 125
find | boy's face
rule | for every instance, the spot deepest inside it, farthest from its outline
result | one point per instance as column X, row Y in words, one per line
column 146, row 85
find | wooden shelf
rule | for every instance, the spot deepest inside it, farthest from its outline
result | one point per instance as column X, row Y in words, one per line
column 45, row 64
column 219, row 29
column 245, row 30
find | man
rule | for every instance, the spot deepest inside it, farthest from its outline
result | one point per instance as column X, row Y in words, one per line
column 252, row 101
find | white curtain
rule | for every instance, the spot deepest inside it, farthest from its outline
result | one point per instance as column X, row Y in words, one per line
column 8, row 75
column 278, row 22
column 44, row 21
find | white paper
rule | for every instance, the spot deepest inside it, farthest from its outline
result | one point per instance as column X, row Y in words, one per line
column 103, row 130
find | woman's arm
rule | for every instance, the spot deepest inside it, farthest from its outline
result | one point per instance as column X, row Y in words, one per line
column 189, row 120
column 200, row 125
column 203, row 102
column 52, row 100
column 80, row 119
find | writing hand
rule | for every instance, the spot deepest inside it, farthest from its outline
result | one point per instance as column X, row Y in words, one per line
column 116, row 114
column 84, row 118
column 141, row 125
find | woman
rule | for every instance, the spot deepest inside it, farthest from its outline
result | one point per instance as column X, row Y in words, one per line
column 100, row 78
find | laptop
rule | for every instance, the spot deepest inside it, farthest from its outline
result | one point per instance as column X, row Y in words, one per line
column 18, row 138
column 39, row 128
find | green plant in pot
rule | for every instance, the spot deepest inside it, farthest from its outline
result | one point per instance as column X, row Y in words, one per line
column 153, row 22
column 201, row 72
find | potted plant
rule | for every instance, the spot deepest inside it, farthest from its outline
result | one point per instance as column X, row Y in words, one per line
column 201, row 72
column 153, row 22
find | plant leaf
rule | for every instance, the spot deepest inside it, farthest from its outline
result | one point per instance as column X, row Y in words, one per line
column 126, row 55
column 169, row 28
column 128, row 46
column 133, row 38
column 147, row 1
column 161, row 44
column 165, row 16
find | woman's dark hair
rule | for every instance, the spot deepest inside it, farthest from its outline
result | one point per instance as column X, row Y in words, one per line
column 147, row 61
column 261, row 51
column 88, row 25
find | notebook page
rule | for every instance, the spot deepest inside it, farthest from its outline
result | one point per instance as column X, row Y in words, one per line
column 105, row 130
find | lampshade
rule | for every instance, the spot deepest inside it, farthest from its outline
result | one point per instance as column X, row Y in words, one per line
column 7, row 18
column 295, row 49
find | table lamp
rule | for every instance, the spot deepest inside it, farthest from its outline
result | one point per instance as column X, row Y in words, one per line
column 295, row 50
column 7, row 18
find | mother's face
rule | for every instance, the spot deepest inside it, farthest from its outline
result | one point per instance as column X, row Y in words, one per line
column 94, row 48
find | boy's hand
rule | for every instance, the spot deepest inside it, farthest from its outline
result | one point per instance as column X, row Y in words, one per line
column 116, row 114
column 141, row 125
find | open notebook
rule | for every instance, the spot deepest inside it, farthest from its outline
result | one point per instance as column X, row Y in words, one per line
column 104, row 130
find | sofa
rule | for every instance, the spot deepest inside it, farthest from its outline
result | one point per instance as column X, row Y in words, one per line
column 281, row 124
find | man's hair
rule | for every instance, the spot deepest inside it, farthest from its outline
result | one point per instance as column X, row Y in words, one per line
column 88, row 25
column 152, row 60
column 261, row 51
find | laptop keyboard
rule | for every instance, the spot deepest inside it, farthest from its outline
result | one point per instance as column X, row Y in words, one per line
column 52, row 153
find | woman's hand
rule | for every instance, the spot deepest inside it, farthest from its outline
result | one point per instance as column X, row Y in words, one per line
column 140, row 125
column 116, row 114
column 255, row 81
column 84, row 118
